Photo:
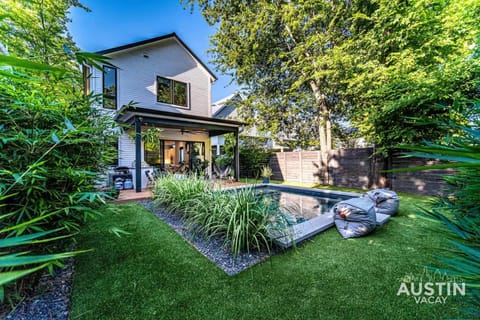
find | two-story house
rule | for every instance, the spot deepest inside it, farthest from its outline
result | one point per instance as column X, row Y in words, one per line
column 171, row 88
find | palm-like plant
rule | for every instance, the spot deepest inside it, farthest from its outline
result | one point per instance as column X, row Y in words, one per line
column 460, row 210
column 13, row 264
column 26, row 230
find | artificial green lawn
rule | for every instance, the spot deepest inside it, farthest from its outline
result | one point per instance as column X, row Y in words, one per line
column 153, row 273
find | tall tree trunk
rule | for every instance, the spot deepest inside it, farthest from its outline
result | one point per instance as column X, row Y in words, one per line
column 324, row 128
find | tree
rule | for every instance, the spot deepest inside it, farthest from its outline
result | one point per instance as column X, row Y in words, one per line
column 380, row 64
column 37, row 30
column 403, row 59
column 283, row 52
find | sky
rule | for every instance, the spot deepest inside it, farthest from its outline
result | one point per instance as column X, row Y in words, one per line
column 113, row 23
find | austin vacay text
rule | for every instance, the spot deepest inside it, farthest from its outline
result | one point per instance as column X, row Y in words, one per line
column 431, row 292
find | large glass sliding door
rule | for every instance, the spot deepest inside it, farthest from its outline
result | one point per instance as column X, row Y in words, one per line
column 197, row 157
column 176, row 156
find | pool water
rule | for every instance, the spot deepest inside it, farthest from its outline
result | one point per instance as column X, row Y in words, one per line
column 300, row 207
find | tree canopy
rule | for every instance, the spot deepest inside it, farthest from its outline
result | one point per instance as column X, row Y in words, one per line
column 282, row 52
column 413, row 57
column 377, row 64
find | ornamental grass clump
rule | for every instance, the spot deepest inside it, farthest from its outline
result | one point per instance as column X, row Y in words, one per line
column 242, row 217
column 248, row 220
column 174, row 193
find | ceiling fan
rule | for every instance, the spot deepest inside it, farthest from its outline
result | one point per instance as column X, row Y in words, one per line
column 182, row 131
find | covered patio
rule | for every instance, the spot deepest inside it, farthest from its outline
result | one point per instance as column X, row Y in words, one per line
column 182, row 137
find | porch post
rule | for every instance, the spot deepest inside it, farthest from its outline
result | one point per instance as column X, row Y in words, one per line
column 138, row 154
column 237, row 157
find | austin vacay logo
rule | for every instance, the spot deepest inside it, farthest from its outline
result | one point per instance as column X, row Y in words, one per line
column 431, row 287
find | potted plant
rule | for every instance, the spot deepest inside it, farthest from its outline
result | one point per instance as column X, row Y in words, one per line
column 266, row 174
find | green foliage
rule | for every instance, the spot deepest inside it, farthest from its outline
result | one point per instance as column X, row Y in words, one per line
column 52, row 150
column 52, row 145
column 175, row 193
column 282, row 52
column 242, row 217
column 149, row 136
column 266, row 172
column 38, row 30
column 405, row 58
column 253, row 156
column 226, row 159
column 379, row 64
column 460, row 210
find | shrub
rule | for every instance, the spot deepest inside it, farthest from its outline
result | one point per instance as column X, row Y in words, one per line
column 460, row 210
column 175, row 193
column 53, row 145
column 253, row 157
column 244, row 218
column 51, row 152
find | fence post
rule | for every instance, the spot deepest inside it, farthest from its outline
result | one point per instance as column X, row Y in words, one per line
column 300, row 158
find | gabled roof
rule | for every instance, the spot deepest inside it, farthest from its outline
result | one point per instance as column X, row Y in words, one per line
column 222, row 109
column 172, row 35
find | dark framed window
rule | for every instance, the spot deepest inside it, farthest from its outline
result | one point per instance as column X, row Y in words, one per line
column 172, row 92
column 114, row 145
column 109, row 87
column 86, row 79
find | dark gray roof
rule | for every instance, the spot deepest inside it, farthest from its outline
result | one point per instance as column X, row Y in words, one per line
column 225, row 111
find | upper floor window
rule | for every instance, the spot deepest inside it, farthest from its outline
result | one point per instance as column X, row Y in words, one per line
column 172, row 91
column 86, row 79
column 109, row 87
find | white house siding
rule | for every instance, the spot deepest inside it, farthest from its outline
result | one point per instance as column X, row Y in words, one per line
column 138, row 68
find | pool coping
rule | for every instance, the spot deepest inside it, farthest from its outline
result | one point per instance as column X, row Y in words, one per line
column 294, row 188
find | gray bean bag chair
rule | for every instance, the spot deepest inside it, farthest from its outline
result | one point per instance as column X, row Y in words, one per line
column 386, row 201
column 355, row 217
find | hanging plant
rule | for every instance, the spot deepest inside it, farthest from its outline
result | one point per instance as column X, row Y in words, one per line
column 150, row 137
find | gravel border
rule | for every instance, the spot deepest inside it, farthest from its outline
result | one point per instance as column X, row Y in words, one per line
column 213, row 248
column 51, row 298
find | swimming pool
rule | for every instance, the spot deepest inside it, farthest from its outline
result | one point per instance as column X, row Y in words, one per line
column 298, row 206
column 307, row 209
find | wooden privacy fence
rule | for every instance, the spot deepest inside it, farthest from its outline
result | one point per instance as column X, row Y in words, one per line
column 357, row 168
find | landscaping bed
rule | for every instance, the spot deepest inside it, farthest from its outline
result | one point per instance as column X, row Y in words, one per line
column 213, row 248
column 51, row 299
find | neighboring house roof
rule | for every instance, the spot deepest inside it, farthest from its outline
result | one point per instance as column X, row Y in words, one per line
column 172, row 35
column 222, row 109
column 225, row 112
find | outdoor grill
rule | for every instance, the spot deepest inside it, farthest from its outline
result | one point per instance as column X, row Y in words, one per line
column 121, row 178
